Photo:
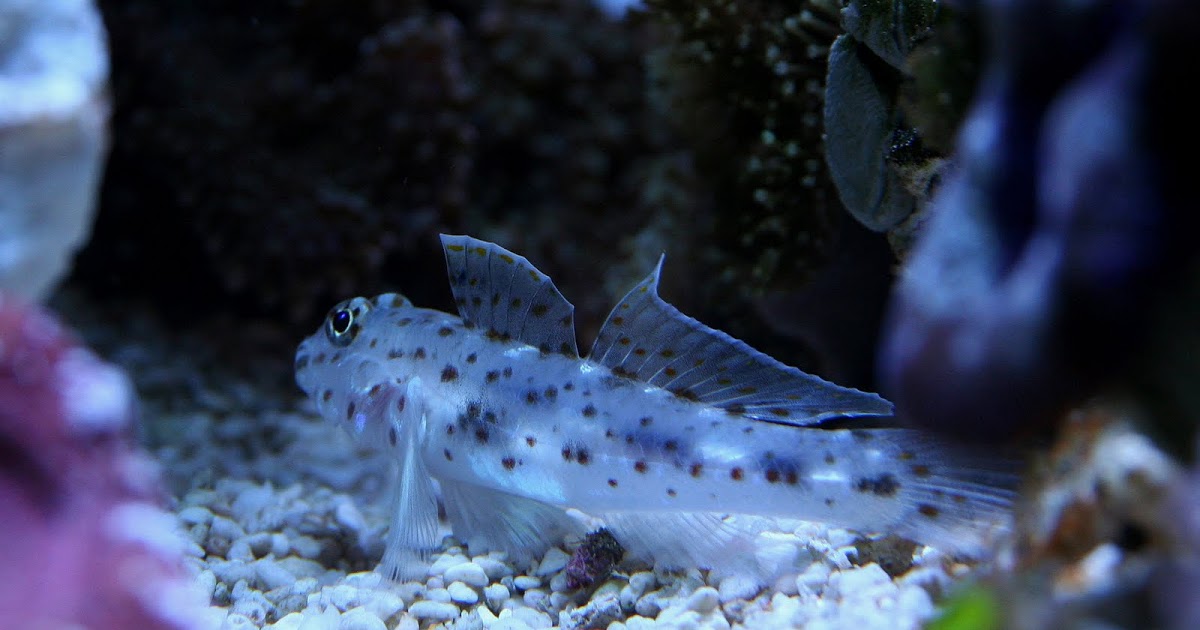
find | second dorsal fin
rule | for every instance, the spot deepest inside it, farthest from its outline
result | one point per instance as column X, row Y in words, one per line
column 504, row 294
column 646, row 339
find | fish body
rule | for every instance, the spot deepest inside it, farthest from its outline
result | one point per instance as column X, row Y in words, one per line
column 665, row 424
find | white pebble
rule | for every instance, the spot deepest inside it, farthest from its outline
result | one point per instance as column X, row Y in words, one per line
column 553, row 562
column 349, row 517
column 384, row 605
column 641, row 582
column 321, row 619
column 534, row 597
column 437, row 595
column 364, row 579
column 271, row 575
column 305, row 546
column 495, row 569
column 343, row 596
column 814, row 578
column 443, row 562
column 704, row 600
column 237, row 621
column 360, row 619
column 290, row 621
column 495, row 595
column 467, row 572
column 436, row 611
column 558, row 601
column 230, row 571
column 462, row 593
column 533, row 618
column 301, row 568
column 868, row 581
column 737, row 587
column 558, row 583
column 225, row 528
column 526, row 582
column 195, row 515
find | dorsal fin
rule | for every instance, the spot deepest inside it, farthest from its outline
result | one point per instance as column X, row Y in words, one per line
column 645, row 338
column 502, row 293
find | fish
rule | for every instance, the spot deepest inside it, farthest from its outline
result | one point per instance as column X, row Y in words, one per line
column 664, row 429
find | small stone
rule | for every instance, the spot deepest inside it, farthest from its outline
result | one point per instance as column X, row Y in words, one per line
column 343, row 596
column 495, row 595
column 462, row 594
column 558, row 600
column 225, row 528
column 533, row 597
column 704, row 600
column 290, row 621
column 271, row 575
column 553, row 562
column 321, row 619
column 349, row 517
column 238, row 621
column 494, row 568
column 384, row 604
column 559, row 583
column 364, row 579
column 533, row 618
column 305, row 546
column 443, row 562
column 438, row 595
column 737, row 587
column 857, row 582
column 360, row 619
column 814, row 578
column 526, row 582
column 231, row 571
column 467, row 572
column 196, row 515
column 434, row 611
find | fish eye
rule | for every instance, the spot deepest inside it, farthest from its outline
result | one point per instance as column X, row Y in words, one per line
column 340, row 327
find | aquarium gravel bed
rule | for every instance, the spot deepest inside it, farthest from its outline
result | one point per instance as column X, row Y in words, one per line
column 285, row 518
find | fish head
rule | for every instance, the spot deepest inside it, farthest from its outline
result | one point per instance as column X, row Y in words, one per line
column 339, row 367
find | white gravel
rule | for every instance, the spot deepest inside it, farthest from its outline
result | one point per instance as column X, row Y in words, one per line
column 287, row 522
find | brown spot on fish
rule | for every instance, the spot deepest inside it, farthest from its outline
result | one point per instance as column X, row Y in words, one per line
column 567, row 453
column 905, row 456
column 624, row 341
column 671, row 446
column 589, row 411
column 449, row 373
column 583, row 456
column 445, row 331
column 375, row 389
column 301, row 362
column 921, row 470
column 862, row 435
column 670, row 492
column 667, row 353
column 772, row 476
column 531, row 441
column 828, row 502
column 404, row 321
column 612, row 483
column 419, row 353
column 672, row 372
column 350, row 411
column 449, row 429
column 473, row 410
column 447, row 454
column 696, row 469
column 476, row 301
column 392, row 435
column 780, row 411
column 748, row 390
column 481, row 435
column 884, row 485
column 472, row 358
column 685, row 393
column 641, row 352
column 492, row 376
column 928, row 511
column 327, row 395
column 551, row 393
column 641, row 466
column 395, row 353
column 792, row 477
column 646, row 421
column 509, row 463
column 568, row 386
column 400, row 402
column 735, row 408
column 531, row 397
column 736, row 473
column 565, row 348
column 618, row 320
column 515, row 303
column 539, row 310
column 507, row 372
column 830, row 459
column 608, row 433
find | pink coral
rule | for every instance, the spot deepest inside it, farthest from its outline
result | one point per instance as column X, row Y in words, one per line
column 82, row 541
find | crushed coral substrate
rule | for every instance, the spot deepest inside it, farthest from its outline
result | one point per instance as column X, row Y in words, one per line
column 285, row 518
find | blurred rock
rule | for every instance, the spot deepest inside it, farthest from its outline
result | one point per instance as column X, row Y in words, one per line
column 83, row 542
column 53, row 137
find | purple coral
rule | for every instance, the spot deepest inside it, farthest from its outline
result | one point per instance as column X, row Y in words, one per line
column 82, row 541
column 594, row 559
